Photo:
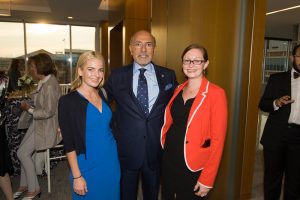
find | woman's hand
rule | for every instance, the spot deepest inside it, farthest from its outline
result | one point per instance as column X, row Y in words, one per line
column 202, row 190
column 80, row 186
column 24, row 105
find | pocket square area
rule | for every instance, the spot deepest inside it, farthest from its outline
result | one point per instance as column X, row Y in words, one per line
column 169, row 86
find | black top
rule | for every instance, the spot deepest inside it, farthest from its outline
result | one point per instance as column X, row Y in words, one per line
column 72, row 121
column 174, row 147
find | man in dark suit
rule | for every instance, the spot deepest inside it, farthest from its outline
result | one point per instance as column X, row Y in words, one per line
column 141, row 92
column 281, row 136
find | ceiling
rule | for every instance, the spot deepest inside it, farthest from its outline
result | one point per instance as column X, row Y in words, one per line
column 56, row 11
column 87, row 12
column 283, row 24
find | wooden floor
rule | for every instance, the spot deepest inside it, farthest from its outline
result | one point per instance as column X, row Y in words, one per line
column 61, row 185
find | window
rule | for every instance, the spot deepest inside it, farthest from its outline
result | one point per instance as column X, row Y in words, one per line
column 52, row 39
column 83, row 39
column 12, row 45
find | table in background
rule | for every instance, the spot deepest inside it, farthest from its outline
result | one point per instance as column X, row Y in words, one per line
column 12, row 112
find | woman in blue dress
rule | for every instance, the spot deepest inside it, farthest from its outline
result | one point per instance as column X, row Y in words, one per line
column 84, row 120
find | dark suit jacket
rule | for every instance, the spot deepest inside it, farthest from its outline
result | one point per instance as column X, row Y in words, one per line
column 278, row 85
column 138, row 136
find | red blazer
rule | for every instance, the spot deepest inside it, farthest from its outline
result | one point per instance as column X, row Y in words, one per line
column 207, row 121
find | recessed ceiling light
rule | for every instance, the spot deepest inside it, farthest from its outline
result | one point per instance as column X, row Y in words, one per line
column 70, row 17
column 5, row 13
column 282, row 10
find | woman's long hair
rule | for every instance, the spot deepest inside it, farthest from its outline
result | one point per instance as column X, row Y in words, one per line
column 82, row 60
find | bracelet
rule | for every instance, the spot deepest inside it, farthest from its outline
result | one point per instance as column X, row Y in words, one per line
column 78, row 177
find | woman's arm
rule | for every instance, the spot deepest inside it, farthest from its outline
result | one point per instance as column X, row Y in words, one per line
column 79, row 184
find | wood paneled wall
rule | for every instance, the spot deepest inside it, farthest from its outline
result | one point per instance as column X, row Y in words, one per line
column 137, row 16
column 104, row 44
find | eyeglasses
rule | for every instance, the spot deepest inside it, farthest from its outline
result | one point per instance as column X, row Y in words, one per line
column 139, row 45
column 195, row 62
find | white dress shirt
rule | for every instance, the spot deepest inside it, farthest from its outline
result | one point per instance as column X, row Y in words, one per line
column 152, row 84
column 295, row 107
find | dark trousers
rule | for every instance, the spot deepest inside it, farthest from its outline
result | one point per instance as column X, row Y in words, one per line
column 130, row 179
column 283, row 161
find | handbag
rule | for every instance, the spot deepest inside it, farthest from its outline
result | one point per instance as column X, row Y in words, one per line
column 25, row 120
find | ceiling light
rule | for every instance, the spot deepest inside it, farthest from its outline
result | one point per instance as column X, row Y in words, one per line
column 282, row 10
column 5, row 13
column 70, row 17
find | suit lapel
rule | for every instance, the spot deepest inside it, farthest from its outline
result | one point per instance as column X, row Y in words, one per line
column 159, row 77
column 160, row 80
column 129, row 83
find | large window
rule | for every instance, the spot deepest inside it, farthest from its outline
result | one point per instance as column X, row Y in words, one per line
column 47, row 38
column 53, row 40
column 83, row 39
column 11, row 44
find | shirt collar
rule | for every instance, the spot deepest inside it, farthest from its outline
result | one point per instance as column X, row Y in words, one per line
column 44, row 80
column 148, row 67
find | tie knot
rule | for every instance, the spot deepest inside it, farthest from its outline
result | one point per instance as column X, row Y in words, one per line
column 142, row 70
column 296, row 75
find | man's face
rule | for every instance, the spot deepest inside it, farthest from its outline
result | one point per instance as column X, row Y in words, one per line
column 296, row 60
column 142, row 48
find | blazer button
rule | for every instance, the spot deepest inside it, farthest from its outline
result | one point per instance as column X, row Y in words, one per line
column 186, row 142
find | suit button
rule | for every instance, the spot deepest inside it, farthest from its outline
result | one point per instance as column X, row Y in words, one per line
column 144, row 136
column 186, row 142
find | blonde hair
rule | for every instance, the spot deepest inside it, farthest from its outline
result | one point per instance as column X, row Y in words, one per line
column 82, row 60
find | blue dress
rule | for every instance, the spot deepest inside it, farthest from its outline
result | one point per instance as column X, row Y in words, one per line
column 100, row 166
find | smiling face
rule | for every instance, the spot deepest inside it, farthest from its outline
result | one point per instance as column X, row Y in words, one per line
column 142, row 47
column 193, row 63
column 92, row 72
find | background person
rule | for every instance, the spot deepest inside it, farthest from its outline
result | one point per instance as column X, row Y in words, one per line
column 84, row 119
column 6, row 167
column 281, row 135
column 194, row 131
column 14, row 74
column 141, row 91
column 42, row 132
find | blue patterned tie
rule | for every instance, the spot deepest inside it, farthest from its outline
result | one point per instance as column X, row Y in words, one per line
column 142, row 92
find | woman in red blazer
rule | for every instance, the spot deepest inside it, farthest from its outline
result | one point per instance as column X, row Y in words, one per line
column 194, row 131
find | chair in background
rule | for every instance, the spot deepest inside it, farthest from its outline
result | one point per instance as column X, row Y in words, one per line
column 48, row 159
column 65, row 88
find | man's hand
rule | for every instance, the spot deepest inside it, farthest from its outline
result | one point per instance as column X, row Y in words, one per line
column 283, row 101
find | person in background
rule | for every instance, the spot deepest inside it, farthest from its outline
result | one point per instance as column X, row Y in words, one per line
column 13, row 74
column 42, row 132
column 281, row 135
column 84, row 120
column 141, row 91
column 194, row 131
column 6, row 167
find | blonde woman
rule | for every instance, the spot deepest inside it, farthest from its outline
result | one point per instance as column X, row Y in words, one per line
column 84, row 119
